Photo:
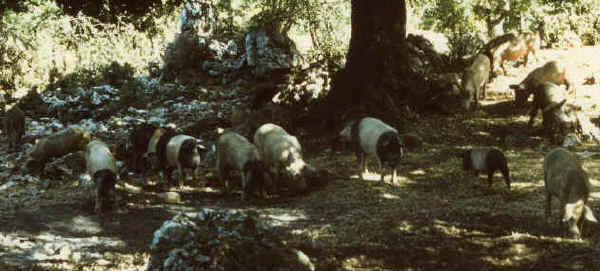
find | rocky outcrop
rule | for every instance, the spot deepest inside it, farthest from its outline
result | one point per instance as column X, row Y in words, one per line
column 221, row 240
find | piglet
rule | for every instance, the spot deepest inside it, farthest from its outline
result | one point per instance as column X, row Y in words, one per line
column 487, row 160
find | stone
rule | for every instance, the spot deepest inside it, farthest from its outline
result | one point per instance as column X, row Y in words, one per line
column 216, row 239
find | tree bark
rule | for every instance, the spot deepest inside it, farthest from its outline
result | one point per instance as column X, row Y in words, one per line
column 365, row 84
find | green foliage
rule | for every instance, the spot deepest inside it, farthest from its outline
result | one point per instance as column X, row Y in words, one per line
column 552, row 18
column 45, row 48
column 319, row 28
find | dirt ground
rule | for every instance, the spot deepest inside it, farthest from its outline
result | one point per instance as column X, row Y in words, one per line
column 438, row 218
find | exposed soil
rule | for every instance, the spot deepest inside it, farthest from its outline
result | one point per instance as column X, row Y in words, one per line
column 437, row 218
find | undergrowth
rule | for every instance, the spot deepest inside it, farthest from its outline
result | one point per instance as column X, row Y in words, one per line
column 44, row 48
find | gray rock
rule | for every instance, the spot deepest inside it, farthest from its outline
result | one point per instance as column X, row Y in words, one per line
column 221, row 240
column 571, row 140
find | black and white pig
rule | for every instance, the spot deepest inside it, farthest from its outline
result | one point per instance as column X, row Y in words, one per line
column 235, row 152
column 487, row 160
column 565, row 179
column 372, row 137
column 144, row 140
column 281, row 154
column 178, row 151
column 102, row 167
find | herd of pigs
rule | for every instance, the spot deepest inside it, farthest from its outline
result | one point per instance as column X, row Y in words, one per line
column 274, row 159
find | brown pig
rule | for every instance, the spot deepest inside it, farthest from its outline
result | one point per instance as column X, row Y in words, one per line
column 515, row 47
column 553, row 72
column 69, row 140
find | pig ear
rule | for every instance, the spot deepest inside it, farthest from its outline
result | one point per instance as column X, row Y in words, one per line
column 589, row 215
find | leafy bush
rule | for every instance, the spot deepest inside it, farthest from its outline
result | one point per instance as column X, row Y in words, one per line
column 70, row 51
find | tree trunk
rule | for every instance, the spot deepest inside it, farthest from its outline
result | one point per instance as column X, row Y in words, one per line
column 377, row 41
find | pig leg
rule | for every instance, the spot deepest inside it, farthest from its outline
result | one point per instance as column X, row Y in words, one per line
column 98, row 205
column 532, row 115
column 274, row 172
column 490, row 177
column 181, row 175
column 502, row 66
column 196, row 174
column 267, row 181
column 167, row 175
column 506, row 175
column 363, row 165
column 381, row 169
column 548, row 210
column 394, row 175
column 244, row 182
column 224, row 179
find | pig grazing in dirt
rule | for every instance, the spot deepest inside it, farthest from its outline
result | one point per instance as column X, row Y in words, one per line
column 565, row 179
column 487, row 160
column 553, row 72
column 102, row 167
column 281, row 154
column 70, row 140
column 13, row 126
column 546, row 96
column 180, row 151
column 474, row 80
column 374, row 138
column 515, row 47
column 235, row 152
column 144, row 140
